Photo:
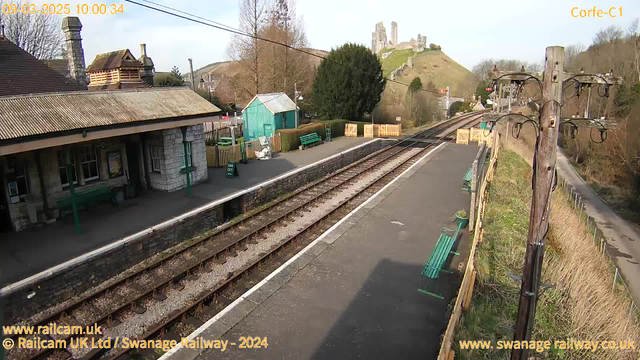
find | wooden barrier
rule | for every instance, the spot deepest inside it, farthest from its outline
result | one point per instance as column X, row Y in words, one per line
column 220, row 156
column 465, row 294
column 475, row 134
column 462, row 136
column 371, row 131
column 276, row 143
column 350, row 130
column 390, row 130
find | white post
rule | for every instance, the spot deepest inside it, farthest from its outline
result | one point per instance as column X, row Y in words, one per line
column 295, row 95
column 615, row 278
column 233, row 135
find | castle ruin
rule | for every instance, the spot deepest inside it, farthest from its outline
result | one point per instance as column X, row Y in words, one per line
column 379, row 38
column 380, row 41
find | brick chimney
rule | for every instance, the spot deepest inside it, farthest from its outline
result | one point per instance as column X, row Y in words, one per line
column 147, row 73
column 71, row 27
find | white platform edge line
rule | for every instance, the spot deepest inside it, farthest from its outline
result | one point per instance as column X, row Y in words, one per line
column 124, row 241
column 257, row 286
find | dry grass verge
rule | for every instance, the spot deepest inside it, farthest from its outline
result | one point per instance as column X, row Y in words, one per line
column 582, row 306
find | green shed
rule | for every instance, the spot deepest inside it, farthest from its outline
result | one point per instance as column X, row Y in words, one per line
column 266, row 113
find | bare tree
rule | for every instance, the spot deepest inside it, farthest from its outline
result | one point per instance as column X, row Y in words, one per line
column 571, row 52
column 286, row 67
column 38, row 34
column 246, row 50
column 612, row 33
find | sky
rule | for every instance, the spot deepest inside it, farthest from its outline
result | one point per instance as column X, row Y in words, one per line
column 468, row 31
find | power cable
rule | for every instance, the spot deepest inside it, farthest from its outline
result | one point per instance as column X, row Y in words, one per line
column 220, row 26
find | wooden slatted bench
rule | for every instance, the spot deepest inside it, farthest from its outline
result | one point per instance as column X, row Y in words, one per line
column 437, row 259
column 92, row 197
column 466, row 180
column 309, row 139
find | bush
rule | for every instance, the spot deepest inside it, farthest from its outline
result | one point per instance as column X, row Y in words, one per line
column 337, row 126
column 291, row 137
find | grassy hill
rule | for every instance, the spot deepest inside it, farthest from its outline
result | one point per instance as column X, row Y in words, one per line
column 428, row 65
column 434, row 66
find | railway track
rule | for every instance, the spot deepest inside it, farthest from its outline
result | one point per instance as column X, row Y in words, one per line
column 171, row 297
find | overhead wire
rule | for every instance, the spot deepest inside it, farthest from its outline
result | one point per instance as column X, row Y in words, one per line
column 203, row 21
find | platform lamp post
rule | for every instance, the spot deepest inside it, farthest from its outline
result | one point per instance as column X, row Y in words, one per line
column 187, row 166
column 296, row 96
column 72, row 192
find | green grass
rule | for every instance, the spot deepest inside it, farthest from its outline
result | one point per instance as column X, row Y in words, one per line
column 495, row 298
column 397, row 58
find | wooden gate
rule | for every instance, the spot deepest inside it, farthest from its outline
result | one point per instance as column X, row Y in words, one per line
column 351, row 130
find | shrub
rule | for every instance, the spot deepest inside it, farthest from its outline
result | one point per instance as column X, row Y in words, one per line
column 291, row 137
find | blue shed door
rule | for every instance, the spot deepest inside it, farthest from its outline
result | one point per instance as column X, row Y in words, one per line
column 268, row 130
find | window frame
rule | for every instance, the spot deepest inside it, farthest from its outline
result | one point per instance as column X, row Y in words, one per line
column 159, row 158
column 190, row 157
column 64, row 165
column 92, row 150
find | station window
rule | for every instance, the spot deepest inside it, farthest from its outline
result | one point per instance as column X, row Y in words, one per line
column 89, row 162
column 189, row 158
column 62, row 169
column 18, row 184
column 157, row 157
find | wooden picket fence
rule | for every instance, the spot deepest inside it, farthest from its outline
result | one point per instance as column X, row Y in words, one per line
column 463, row 300
column 382, row 130
column 220, row 156
column 390, row 130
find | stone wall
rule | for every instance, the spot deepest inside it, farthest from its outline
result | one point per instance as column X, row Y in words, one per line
column 171, row 176
column 83, row 273
column 19, row 212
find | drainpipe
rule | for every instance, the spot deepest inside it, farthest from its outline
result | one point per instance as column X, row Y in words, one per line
column 186, row 159
column 74, row 205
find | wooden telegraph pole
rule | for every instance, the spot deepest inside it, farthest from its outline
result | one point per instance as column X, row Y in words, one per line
column 543, row 182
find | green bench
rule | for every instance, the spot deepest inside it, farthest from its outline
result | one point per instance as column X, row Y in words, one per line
column 92, row 197
column 225, row 141
column 309, row 139
column 466, row 180
column 437, row 259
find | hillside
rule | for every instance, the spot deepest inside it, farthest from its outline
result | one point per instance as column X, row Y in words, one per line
column 428, row 65
column 434, row 66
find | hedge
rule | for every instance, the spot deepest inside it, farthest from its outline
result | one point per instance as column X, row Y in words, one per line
column 291, row 137
column 337, row 126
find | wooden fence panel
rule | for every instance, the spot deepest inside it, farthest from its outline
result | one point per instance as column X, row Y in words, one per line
column 351, row 130
column 462, row 136
column 276, row 143
column 368, row 131
column 212, row 156
column 251, row 148
column 475, row 134
column 389, row 130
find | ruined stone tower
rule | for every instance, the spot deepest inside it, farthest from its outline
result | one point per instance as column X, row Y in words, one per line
column 394, row 34
column 379, row 38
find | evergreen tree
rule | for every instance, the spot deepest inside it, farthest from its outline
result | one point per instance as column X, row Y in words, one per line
column 348, row 83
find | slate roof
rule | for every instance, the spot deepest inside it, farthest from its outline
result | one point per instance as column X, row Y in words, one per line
column 39, row 114
column 22, row 73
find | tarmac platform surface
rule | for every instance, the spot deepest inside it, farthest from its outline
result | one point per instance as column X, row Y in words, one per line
column 353, row 292
column 28, row 252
